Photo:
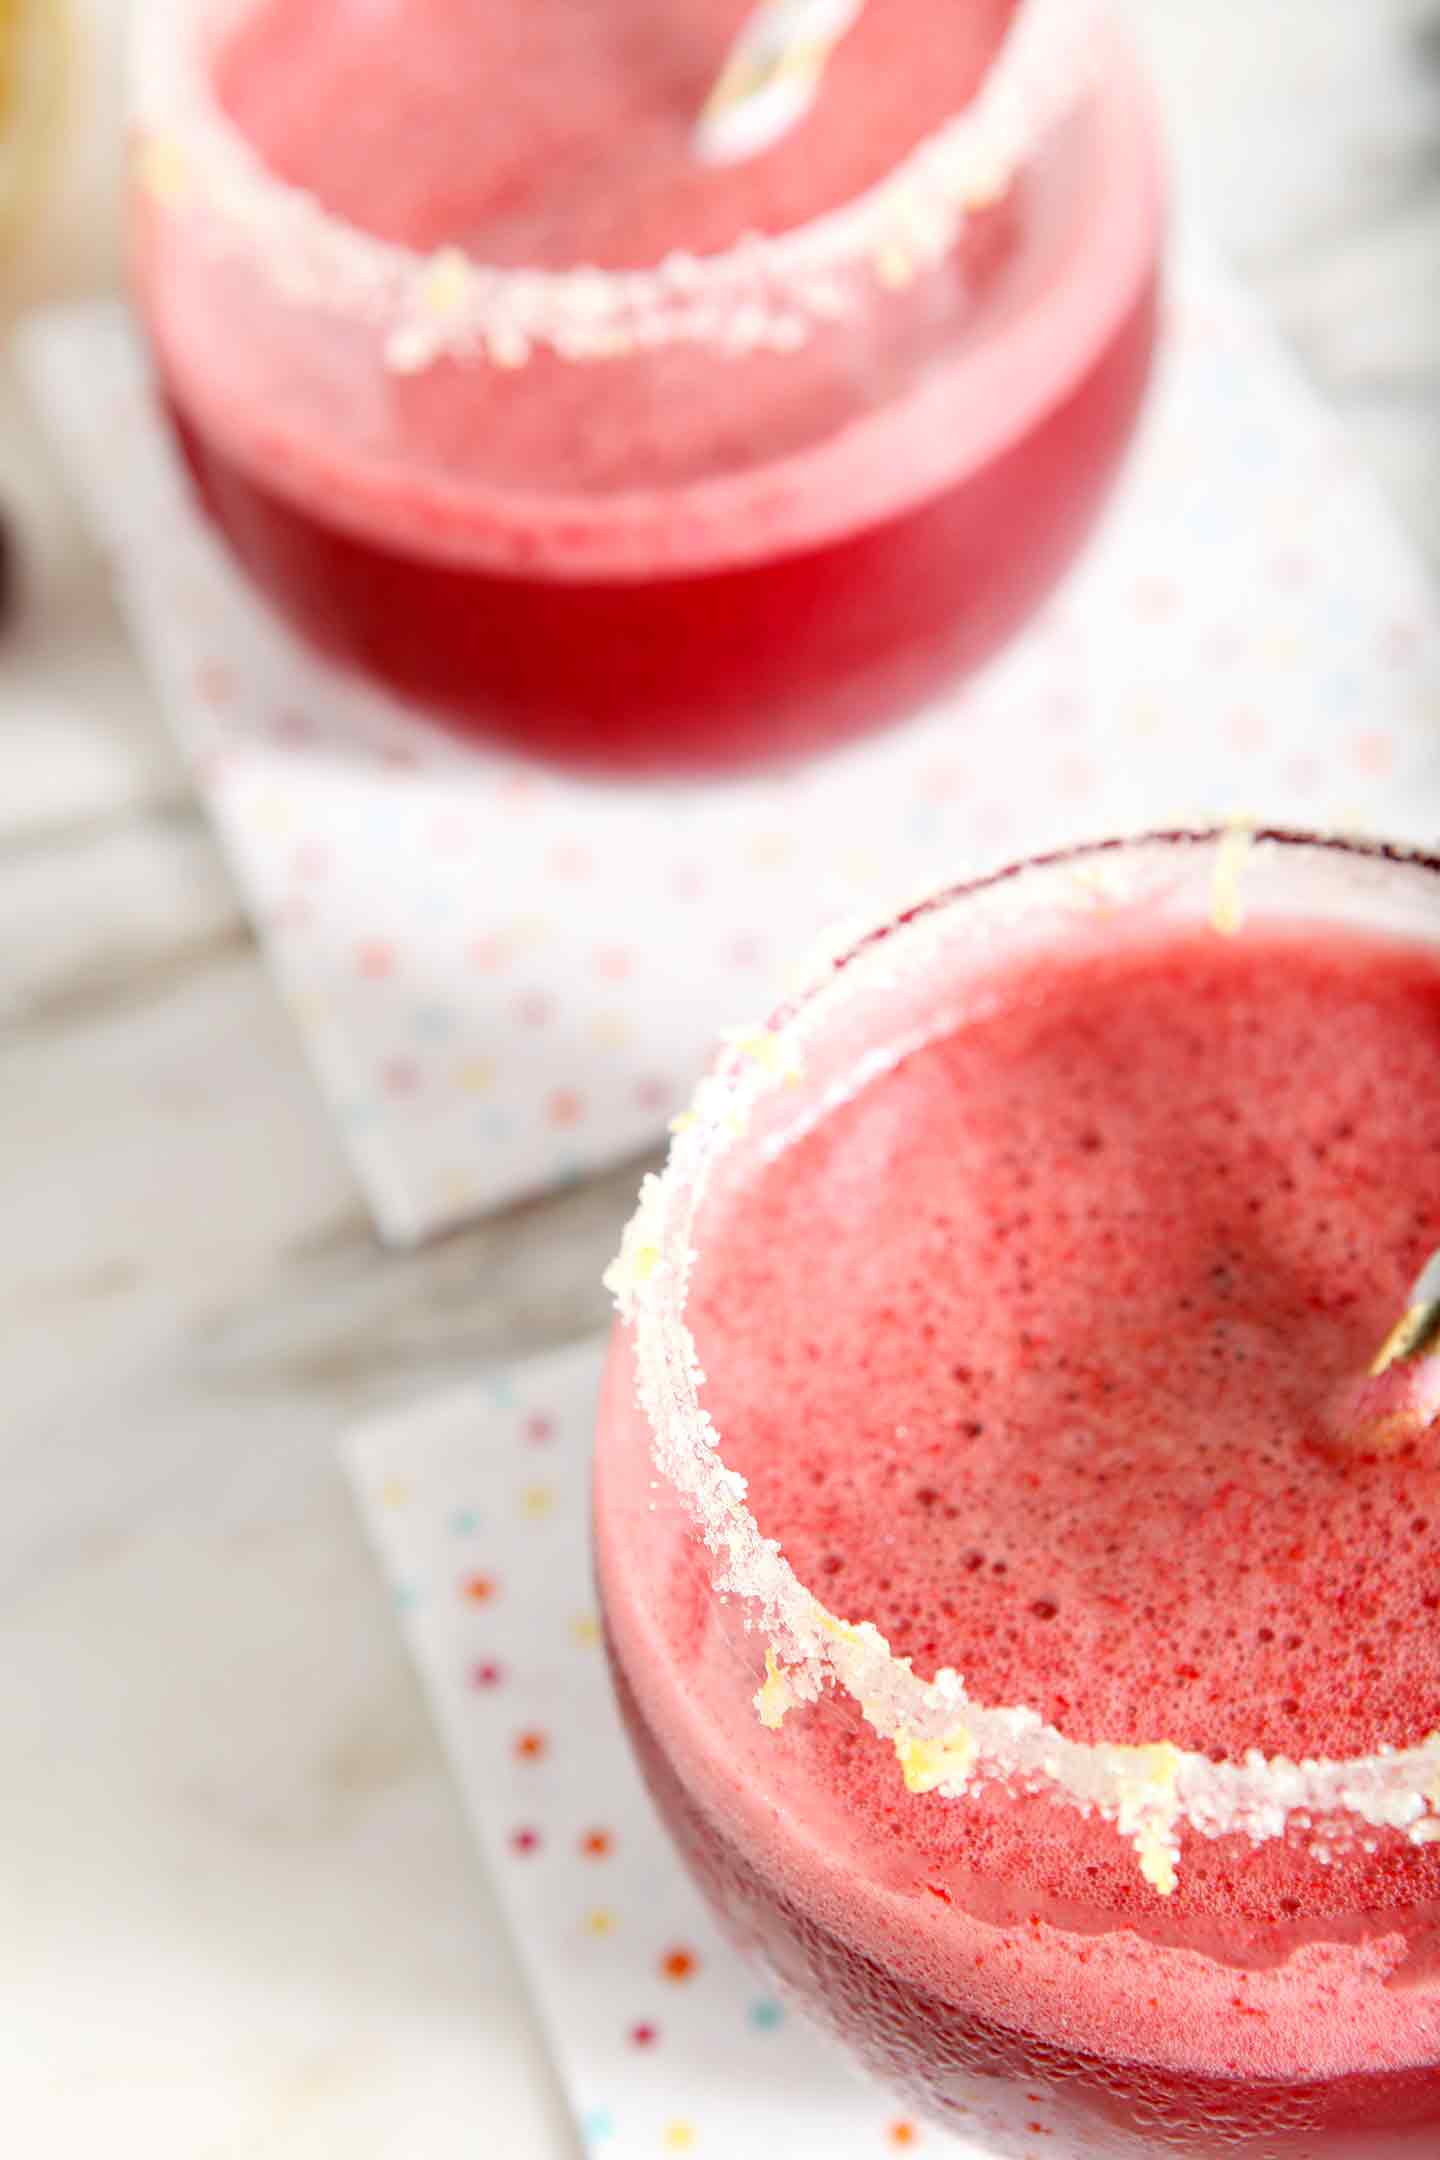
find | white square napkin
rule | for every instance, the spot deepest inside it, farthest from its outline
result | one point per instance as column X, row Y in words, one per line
column 506, row 978
column 666, row 2042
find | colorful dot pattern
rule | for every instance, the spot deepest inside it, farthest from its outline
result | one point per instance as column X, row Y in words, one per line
column 507, row 978
column 667, row 2042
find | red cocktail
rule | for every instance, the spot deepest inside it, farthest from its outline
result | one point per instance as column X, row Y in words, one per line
column 1021, row 1664
column 507, row 398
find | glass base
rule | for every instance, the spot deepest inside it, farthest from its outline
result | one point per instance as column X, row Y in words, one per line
column 689, row 674
column 991, row 2083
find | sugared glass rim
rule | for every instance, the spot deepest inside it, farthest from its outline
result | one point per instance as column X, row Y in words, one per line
column 943, row 1739
column 764, row 290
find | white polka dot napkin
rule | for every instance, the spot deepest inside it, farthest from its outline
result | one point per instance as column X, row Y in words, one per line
column 666, row 2042
column 506, row 978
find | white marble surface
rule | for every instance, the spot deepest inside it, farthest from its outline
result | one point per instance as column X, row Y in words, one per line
column 240, row 1913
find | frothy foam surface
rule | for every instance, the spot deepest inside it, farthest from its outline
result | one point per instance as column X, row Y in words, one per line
column 1049, row 1318
column 559, row 132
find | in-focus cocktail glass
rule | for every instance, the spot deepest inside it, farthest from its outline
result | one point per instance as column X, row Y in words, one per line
column 509, row 400
column 1025, row 1663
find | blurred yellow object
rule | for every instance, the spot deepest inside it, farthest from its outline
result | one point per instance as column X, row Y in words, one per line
column 33, row 55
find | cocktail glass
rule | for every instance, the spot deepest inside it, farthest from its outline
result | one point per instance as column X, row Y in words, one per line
column 1253, row 1967
column 683, row 511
